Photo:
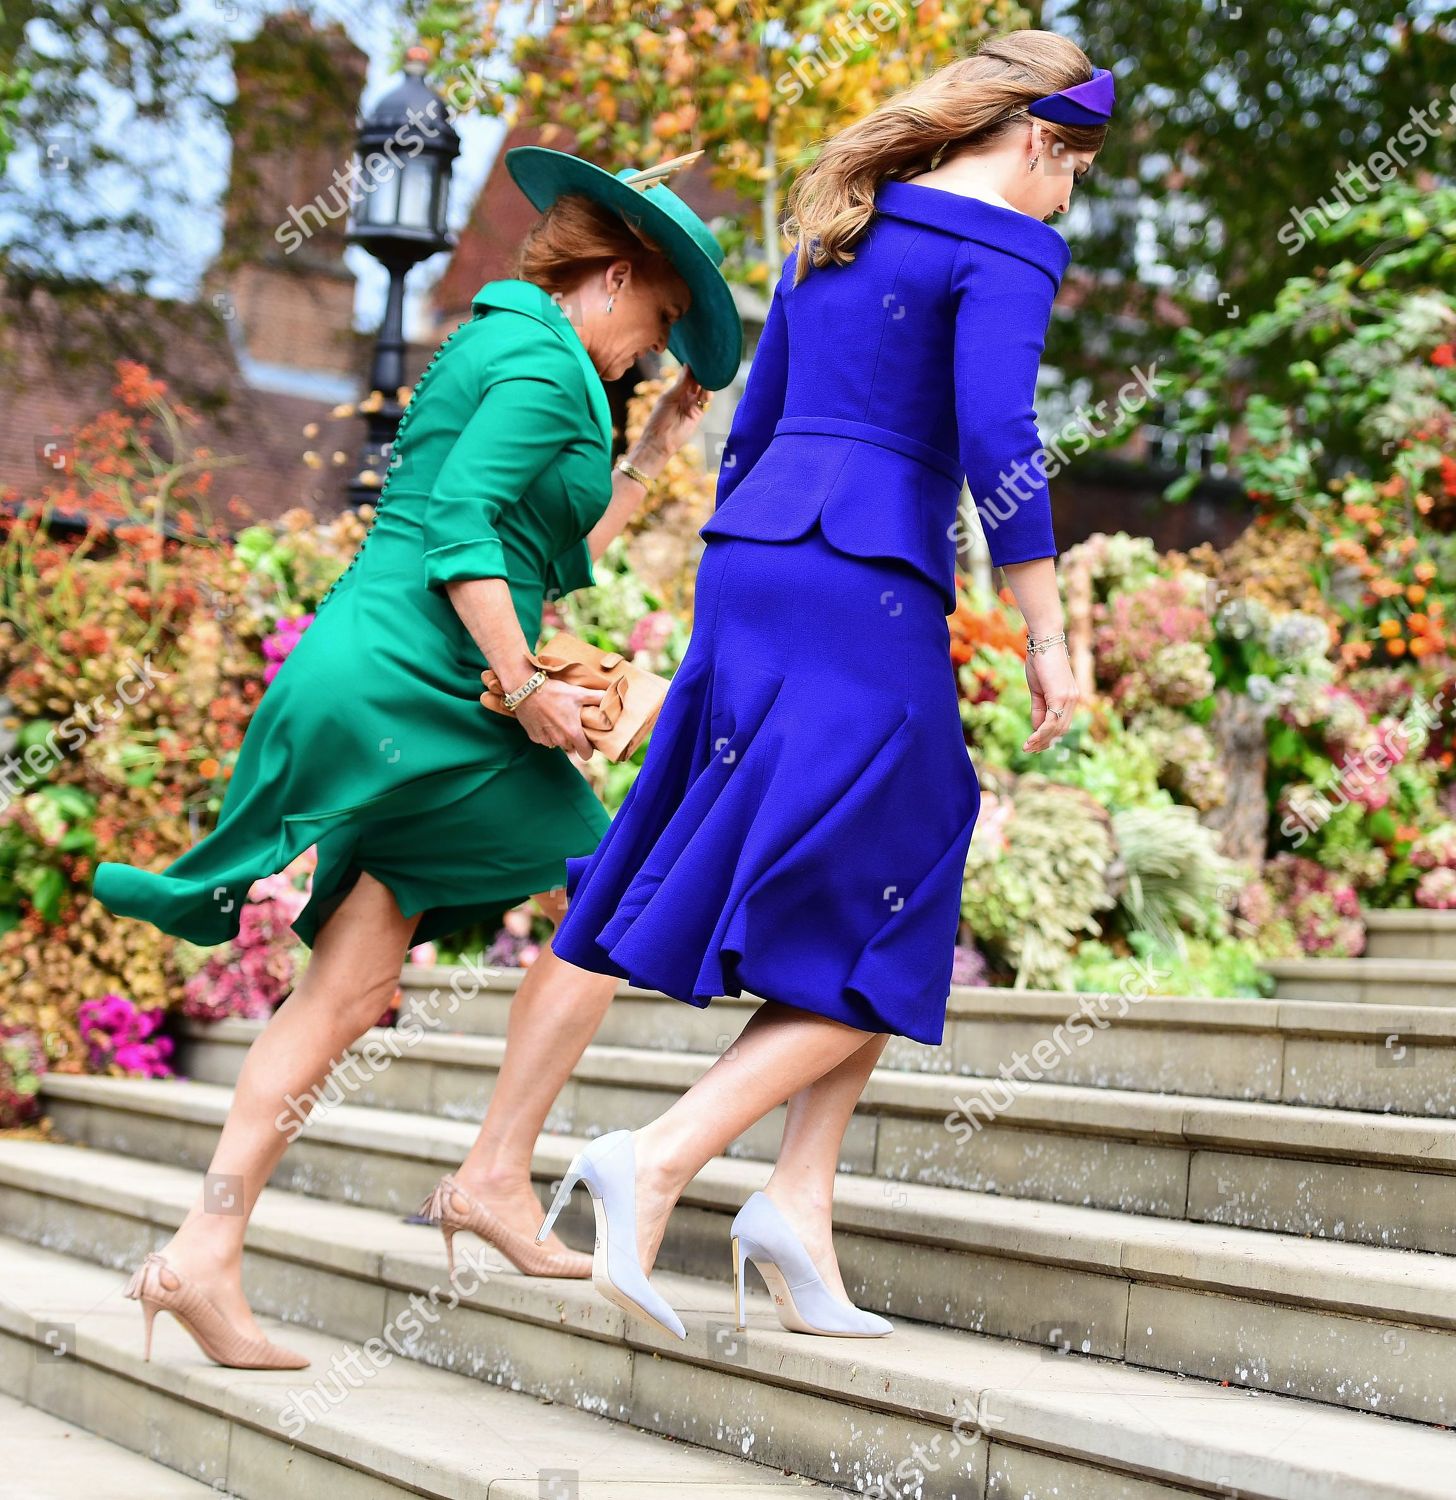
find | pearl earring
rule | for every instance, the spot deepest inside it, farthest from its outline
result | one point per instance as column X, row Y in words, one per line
column 611, row 297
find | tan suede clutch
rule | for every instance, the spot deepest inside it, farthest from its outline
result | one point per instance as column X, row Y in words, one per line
column 631, row 695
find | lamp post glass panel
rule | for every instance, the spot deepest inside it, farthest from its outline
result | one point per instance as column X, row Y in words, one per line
column 405, row 150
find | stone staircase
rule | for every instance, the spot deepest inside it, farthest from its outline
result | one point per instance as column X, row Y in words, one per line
column 1409, row 959
column 1194, row 1247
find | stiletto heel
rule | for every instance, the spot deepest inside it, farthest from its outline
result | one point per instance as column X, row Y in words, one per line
column 801, row 1300
column 608, row 1168
column 453, row 1209
column 160, row 1288
column 741, row 1316
column 563, row 1194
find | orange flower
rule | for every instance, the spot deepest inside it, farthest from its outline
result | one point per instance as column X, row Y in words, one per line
column 1396, row 648
column 135, row 384
column 209, row 767
column 1390, row 627
column 1415, row 593
column 1425, row 571
column 1444, row 354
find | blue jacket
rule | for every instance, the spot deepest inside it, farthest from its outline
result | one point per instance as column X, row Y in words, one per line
column 877, row 386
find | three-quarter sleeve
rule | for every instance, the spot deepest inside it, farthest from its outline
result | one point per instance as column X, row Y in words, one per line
column 1003, row 309
column 522, row 422
column 762, row 403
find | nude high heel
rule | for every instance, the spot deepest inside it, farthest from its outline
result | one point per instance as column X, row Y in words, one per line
column 453, row 1209
column 607, row 1167
column 159, row 1288
column 760, row 1233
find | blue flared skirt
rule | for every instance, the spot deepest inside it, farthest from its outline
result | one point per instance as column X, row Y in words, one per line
column 799, row 827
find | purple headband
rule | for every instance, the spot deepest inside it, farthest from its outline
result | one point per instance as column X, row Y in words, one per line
column 1088, row 103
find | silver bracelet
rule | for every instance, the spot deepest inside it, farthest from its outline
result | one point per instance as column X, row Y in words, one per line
column 1033, row 647
column 528, row 687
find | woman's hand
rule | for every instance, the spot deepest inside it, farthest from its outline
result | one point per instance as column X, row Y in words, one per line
column 1053, row 686
column 674, row 418
column 551, row 715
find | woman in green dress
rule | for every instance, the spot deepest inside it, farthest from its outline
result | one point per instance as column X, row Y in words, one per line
column 428, row 811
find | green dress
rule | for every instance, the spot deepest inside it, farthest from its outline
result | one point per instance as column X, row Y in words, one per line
column 371, row 742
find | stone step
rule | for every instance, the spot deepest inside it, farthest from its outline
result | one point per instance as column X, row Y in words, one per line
column 1366, row 981
column 368, row 1427
column 1415, row 933
column 1339, row 1174
column 47, row 1459
column 1357, row 1057
column 1353, row 1325
column 977, row 1416
column 1307, row 1051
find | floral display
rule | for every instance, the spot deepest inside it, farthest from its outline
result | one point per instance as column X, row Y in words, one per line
column 122, row 1037
column 1265, row 748
column 253, row 974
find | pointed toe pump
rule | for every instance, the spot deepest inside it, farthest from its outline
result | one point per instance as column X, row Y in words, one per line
column 760, row 1233
column 453, row 1209
column 160, row 1288
column 607, row 1168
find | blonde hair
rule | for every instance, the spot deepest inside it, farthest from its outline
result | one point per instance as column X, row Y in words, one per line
column 575, row 236
column 968, row 105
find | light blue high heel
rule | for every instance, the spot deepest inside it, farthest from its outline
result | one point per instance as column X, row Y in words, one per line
column 802, row 1301
column 607, row 1167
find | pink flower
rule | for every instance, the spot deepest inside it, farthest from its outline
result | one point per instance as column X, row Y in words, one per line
column 121, row 1036
column 276, row 647
column 651, row 633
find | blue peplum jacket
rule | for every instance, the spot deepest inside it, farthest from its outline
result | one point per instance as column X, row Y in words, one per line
column 914, row 367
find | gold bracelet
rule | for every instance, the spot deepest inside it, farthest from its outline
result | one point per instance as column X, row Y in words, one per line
column 520, row 694
column 633, row 472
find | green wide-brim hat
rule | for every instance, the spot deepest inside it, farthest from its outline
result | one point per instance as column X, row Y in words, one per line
column 709, row 336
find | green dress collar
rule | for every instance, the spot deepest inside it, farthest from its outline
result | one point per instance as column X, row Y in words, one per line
column 535, row 301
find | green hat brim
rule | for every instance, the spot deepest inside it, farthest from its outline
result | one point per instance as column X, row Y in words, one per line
column 709, row 336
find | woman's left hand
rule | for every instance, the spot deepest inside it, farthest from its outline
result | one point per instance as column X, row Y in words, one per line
column 1054, row 696
column 675, row 416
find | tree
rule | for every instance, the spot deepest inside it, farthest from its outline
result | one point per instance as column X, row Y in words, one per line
column 756, row 85
column 1238, row 128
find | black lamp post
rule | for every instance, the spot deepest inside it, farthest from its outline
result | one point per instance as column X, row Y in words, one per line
column 406, row 146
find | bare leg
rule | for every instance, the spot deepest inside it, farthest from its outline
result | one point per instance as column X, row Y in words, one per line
column 802, row 1183
column 780, row 1051
column 554, row 1015
column 352, row 972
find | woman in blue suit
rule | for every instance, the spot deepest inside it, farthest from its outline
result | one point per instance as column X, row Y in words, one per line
column 799, row 828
